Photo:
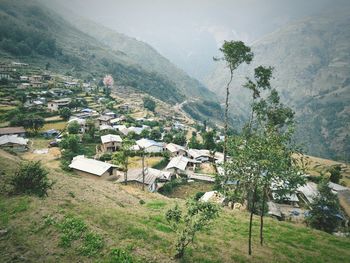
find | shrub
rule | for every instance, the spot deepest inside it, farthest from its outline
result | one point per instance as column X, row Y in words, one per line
column 118, row 255
column 72, row 229
column 31, row 178
column 92, row 244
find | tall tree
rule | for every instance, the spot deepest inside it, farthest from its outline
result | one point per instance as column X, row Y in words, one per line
column 235, row 53
column 122, row 157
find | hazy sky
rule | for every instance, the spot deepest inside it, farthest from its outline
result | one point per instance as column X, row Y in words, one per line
column 190, row 32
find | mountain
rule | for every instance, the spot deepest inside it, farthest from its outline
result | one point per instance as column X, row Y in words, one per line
column 311, row 59
column 34, row 33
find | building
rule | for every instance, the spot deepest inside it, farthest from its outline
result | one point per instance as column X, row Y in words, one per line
column 199, row 155
column 150, row 146
column 213, row 197
column 19, row 131
column 177, row 164
column 154, row 178
column 104, row 120
column 35, row 78
column 14, row 143
column 175, row 150
column 111, row 142
column 56, row 105
column 86, row 166
column 81, row 122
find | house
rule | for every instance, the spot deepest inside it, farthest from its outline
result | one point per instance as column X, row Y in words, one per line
column 213, row 197
column 59, row 92
column 199, row 155
column 150, row 146
column 51, row 133
column 111, row 142
column 104, row 120
column 177, row 164
column 56, row 105
column 81, row 122
column 175, row 150
column 86, row 166
column 14, row 143
column 24, row 78
column 154, row 178
column 308, row 192
column 274, row 210
column 5, row 75
column 24, row 86
column 36, row 84
column 35, row 78
column 20, row 131
column 179, row 126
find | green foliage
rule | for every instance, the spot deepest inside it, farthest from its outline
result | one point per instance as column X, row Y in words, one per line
column 335, row 172
column 70, row 148
column 32, row 122
column 208, row 140
column 92, row 244
column 73, row 127
column 72, row 229
column 325, row 210
column 31, row 178
column 149, row 103
column 169, row 187
column 118, row 255
column 194, row 143
column 197, row 217
column 65, row 113
column 180, row 138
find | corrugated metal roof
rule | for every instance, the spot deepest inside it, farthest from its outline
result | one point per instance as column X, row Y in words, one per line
column 90, row 165
column 309, row 190
column 13, row 139
column 172, row 147
column 12, row 130
column 150, row 175
column 179, row 162
column 111, row 138
column 145, row 143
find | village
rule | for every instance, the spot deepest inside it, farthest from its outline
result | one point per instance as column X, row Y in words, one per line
column 162, row 146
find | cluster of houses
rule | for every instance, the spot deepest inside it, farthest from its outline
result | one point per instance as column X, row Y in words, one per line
column 13, row 138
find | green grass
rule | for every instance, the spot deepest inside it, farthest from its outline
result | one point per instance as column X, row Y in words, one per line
column 93, row 227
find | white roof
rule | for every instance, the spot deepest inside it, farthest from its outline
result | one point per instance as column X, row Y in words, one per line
column 78, row 120
column 179, row 162
column 150, row 175
column 213, row 196
column 309, row 190
column 111, row 138
column 195, row 153
column 90, row 165
column 145, row 143
column 172, row 147
column 274, row 209
column 337, row 187
column 106, row 127
column 119, row 127
column 13, row 139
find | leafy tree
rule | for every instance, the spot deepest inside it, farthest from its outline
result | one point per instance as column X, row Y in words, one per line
column 235, row 53
column 71, row 147
column 325, row 210
column 179, row 138
column 31, row 178
column 208, row 140
column 149, row 103
column 155, row 134
column 335, row 172
column 194, row 143
column 73, row 127
column 122, row 157
column 65, row 113
column 145, row 133
column 198, row 215
column 31, row 122
column 262, row 154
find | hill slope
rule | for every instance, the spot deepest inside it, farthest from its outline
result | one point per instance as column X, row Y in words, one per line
column 114, row 213
column 312, row 67
column 35, row 34
column 140, row 52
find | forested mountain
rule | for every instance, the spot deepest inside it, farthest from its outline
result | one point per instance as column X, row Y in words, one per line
column 36, row 34
column 312, row 72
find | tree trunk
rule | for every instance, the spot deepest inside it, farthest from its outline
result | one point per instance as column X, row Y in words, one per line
column 143, row 171
column 262, row 219
column 251, row 224
column 226, row 117
column 126, row 172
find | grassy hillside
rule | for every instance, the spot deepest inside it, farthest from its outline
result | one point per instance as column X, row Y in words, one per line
column 114, row 218
column 311, row 61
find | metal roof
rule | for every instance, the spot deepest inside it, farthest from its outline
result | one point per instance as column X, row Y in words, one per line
column 12, row 130
column 90, row 165
column 172, row 147
column 111, row 138
column 150, row 175
column 179, row 162
column 14, row 139
column 145, row 143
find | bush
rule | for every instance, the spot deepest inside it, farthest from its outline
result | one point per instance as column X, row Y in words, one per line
column 31, row 178
column 92, row 244
column 118, row 255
